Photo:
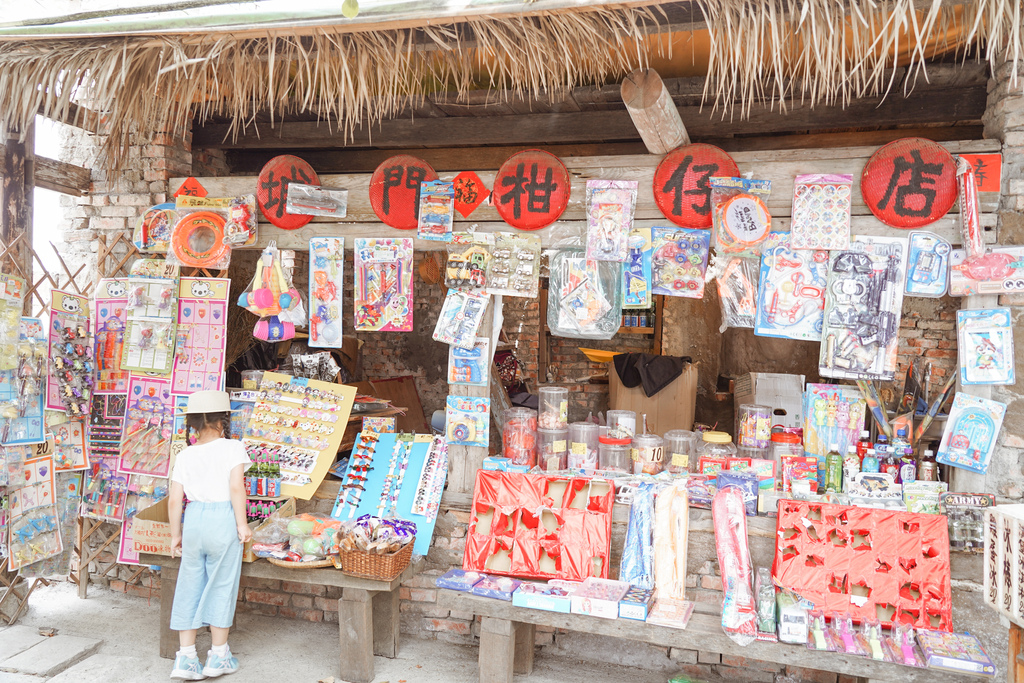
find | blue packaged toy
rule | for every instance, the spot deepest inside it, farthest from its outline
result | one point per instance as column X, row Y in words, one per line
column 636, row 270
column 927, row 264
column 971, row 431
column 791, row 293
column 497, row 587
column 458, row 579
column 985, row 340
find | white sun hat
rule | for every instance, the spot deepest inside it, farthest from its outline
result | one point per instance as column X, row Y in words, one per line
column 209, row 401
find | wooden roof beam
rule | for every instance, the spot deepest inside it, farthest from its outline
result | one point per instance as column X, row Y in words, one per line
column 654, row 114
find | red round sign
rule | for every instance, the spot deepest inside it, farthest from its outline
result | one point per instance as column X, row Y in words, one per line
column 909, row 183
column 272, row 189
column 531, row 190
column 395, row 190
column 682, row 183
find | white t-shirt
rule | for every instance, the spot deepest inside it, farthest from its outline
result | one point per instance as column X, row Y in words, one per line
column 205, row 471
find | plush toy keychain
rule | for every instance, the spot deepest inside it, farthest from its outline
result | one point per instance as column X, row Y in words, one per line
column 272, row 297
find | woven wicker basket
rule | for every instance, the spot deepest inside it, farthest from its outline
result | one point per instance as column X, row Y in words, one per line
column 372, row 566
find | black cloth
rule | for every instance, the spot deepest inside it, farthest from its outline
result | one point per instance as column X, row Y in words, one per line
column 653, row 372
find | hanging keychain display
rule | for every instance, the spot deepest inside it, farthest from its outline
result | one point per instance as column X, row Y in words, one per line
column 69, row 386
column 326, row 291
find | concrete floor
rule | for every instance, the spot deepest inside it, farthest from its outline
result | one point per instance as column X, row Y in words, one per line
column 268, row 649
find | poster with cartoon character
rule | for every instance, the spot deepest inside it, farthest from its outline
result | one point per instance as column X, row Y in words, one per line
column 69, row 385
column 201, row 336
column 111, row 316
column 383, row 285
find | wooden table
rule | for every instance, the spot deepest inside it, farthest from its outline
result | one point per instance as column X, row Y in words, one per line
column 507, row 636
column 368, row 621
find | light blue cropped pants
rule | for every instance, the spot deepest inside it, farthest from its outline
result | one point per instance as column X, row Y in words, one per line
column 211, row 565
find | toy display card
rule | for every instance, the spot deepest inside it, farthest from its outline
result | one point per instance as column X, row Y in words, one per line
column 152, row 233
column 985, row 343
column 927, row 264
column 956, row 652
column 302, row 421
column 966, row 515
column 822, row 204
column 833, row 414
column 468, row 420
column 312, row 200
column 34, row 524
column 12, row 291
column 514, row 267
column 970, row 434
column 150, row 332
column 106, row 421
column 875, row 564
column 636, row 271
column 110, row 314
column 460, row 318
column 21, row 389
column 863, row 305
column 1001, row 271
column 539, row 526
column 69, row 450
column 68, row 498
column 383, row 285
column 436, row 210
column 146, row 442
column 241, row 220
column 380, row 425
column 470, row 366
column 468, row 256
column 737, row 292
column 679, row 261
column 69, row 384
column 395, row 475
column 741, row 218
column 326, row 291
column 610, row 205
column 791, row 293
column 584, row 297
column 201, row 335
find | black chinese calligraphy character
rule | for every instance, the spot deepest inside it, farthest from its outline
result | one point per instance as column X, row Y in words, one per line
column 675, row 184
column 414, row 175
column 277, row 190
column 980, row 172
column 918, row 186
column 466, row 191
column 190, row 191
column 538, row 192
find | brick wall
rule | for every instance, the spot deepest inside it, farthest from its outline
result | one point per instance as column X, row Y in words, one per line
column 928, row 331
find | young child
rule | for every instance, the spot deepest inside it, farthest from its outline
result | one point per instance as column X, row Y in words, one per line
column 209, row 472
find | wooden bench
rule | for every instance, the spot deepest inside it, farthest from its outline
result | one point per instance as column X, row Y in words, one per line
column 507, row 637
column 367, row 610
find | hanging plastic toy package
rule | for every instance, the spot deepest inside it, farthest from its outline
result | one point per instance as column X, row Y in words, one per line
column 739, row 612
column 737, row 292
column 272, row 296
column 610, row 205
column 468, row 256
column 791, row 292
column 970, row 216
column 821, row 211
column 671, row 534
column 680, row 261
column 585, row 297
column 970, row 434
column 985, row 340
column 927, row 264
column 460, row 318
column 152, row 234
column 199, row 237
column 326, row 289
column 637, row 567
column 741, row 218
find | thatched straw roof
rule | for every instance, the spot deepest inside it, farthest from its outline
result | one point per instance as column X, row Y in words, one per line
column 817, row 50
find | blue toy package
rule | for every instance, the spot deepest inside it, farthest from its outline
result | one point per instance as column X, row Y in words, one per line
column 701, row 490
column 985, row 340
column 636, row 270
column 747, row 483
column 467, row 421
column 927, row 264
column 971, row 431
column 470, row 366
column 637, row 566
column 545, row 596
column 636, row 603
column 679, row 261
column 497, row 587
column 460, row 318
column 791, row 293
column 458, row 579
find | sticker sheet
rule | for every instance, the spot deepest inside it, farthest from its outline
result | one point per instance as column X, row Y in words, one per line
column 68, row 497
column 970, row 434
column 610, row 206
column 69, row 450
column 863, row 306
column 460, row 318
column 791, row 293
column 679, row 261
column 110, row 314
column 21, row 389
column 514, row 267
column 436, row 211
column 382, row 291
column 150, row 332
column 636, row 271
column 822, row 204
column 201, row 335
column 146, row 443
column 69, row 327
column 467, row 421
column 927, row 264
column 985, row 343
column 470, row 366
column 34, row 524
column 326, row 291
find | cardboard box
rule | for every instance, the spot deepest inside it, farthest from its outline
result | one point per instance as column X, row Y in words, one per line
column 636, row 603
column 152, row 529
column 670, row 408
column 542, row 596
column 598, row 598
column 783, row 393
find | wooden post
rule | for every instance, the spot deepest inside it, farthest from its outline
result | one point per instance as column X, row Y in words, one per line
column 18, row 174
column 654, row 114
column 355, row 619
column 1014, row 667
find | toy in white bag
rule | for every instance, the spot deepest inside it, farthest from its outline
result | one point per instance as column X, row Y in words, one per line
column 272, row 296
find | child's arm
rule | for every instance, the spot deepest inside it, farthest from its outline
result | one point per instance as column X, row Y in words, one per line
column 174, row 502
column 238, row 503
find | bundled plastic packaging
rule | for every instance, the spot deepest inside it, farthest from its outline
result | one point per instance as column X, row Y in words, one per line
column 739, row 613
column 637, row 566
column 585, row 297
column 737, row 292
column 272, row 296
column 671, row 533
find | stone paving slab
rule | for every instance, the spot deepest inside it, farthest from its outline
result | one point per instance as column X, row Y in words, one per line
column 6, row 677
column 51, row 656
column 17, row 639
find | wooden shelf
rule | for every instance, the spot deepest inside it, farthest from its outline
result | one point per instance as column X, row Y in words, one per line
column 636, row 330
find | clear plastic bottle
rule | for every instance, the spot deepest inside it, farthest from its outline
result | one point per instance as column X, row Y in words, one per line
column 870, row 462
column 851, row 466
column 864, row 444
column 833, row 470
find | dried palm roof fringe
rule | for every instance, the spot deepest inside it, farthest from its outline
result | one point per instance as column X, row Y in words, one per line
column 824, row 51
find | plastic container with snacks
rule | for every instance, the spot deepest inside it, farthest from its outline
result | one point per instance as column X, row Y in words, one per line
column 648, row 454
column 614, row 455
column 783, row 444
column 680, row 451
column 519, row 438
column 754, row 427
column 554, row 408
column 552, row 449
column 716, row 445
column 621, row 424
column 251, row 379
column 583, row 445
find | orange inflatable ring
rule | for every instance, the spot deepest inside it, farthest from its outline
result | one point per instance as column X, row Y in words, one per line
column 181, row 241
